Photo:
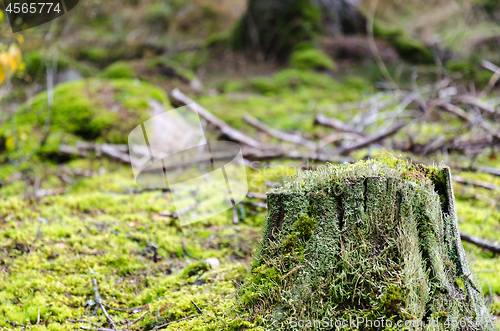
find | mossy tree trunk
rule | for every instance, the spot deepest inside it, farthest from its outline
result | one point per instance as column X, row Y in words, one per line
column 364, row 242
column 275, row 27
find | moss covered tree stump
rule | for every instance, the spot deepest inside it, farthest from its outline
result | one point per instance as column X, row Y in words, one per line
column 369, row 246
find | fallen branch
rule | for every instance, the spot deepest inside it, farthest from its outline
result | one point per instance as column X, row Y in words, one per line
column 255, row 204
column 494, row 79
column 137, row 320
column 114, row 151
column 495, row 248
column 225, row 128
column 457, row 111
column 475, row 102
column 253, row 154
column 475, row 183
column 293, row 138
column 338, row 136
column 48, row 193
column 371, row 140
column 253, row 195
column 336, row 124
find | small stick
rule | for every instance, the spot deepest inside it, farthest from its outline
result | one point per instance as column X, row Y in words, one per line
column 100, row 303
column 198, row 308
column 182, row 319
column 95, row 328
column 83, row 321
column 291, row 271
column 16, row 324
column 139, row 319
column 293, row 138
column 133, row 310
column 404, row 311
column 255, row 204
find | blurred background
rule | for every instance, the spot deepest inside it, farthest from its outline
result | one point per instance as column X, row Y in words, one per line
column 295, row 83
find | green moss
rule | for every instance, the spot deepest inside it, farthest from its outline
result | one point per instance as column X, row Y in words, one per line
column 470, row 69
column 90, row 109
column 118, row 70
column 304, row 227
column 196, row 269
column 307, row 59
column 393, row 300
column 95, row 54
column 407, row 47
column 158, row 16
column 36, row 64
column 172, row 68
column 96, row 231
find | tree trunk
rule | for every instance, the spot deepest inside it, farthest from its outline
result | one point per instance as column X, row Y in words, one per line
column 373, row 241
column 275, row 27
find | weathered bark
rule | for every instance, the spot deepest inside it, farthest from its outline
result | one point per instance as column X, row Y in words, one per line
column 373, row 240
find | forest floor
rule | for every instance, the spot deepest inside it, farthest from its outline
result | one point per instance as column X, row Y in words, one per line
column 79, row 238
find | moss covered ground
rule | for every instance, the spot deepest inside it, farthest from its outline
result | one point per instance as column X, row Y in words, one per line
column 101, row 226
column 52, row 247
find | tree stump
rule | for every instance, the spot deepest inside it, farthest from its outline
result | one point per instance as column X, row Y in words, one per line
column 364, row 246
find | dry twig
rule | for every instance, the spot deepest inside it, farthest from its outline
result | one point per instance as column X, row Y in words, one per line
column 293, row 138
column 225, row 128
column 495, row 248
column 200, row 312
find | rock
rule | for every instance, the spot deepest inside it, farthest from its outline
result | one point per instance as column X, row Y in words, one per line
column 213, row 261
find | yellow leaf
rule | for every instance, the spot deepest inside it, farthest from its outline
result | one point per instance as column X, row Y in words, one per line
column 15, row 57
column 9, row 143
column 2, row 75
column 4, row 60
column 1, row 15
column 20, row 39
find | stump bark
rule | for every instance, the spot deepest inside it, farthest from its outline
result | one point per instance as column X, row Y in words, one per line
column 356, row 244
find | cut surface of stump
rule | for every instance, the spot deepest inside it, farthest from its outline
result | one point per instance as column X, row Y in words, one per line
column 373, row 241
